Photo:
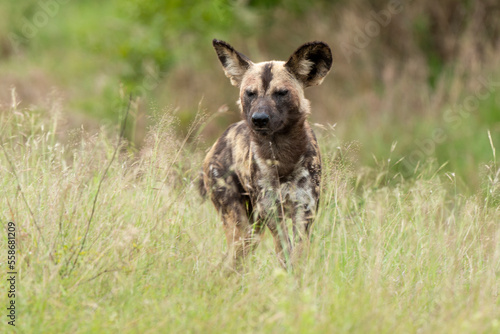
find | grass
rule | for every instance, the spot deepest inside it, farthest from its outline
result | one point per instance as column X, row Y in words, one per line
column 389, row 253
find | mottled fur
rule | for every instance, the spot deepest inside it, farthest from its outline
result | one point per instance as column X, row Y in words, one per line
column 267, row 167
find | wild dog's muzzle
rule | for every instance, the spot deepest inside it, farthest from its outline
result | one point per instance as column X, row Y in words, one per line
column 260, row 120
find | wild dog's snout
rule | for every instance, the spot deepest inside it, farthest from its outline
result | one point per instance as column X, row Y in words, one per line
column 261, row 114
column 260, row 119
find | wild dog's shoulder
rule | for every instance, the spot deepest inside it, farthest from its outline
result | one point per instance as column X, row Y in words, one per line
column 312, row 156
column 230, row 146
column 312, row 153
column 227, row 162
column 228, row 139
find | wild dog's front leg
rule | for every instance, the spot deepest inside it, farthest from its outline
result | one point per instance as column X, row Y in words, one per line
column 227, row 196
column 282, row 243
column 302, row 224
column 271, row 213
column 303, row 215
column 242, row 237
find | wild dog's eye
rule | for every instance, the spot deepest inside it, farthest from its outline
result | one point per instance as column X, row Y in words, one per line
column 250, row 93
column 282, row 92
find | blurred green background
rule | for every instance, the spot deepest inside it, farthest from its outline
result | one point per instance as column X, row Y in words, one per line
column 412, row 81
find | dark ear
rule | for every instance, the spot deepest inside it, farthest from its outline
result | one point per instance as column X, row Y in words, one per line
column 235, row 64
column 310, row 63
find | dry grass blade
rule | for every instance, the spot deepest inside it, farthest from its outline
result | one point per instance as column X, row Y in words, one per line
column 25, row 201
column 89, row 222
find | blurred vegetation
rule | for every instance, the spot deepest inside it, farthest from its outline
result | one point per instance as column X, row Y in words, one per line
column 396, row 85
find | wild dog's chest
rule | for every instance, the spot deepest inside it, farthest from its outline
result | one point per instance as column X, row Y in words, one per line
column 262, row 182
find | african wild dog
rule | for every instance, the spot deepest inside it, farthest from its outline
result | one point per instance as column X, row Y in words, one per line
column 267, row 167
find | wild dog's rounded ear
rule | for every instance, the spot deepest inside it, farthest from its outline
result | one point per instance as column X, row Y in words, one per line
column 310, row 63
column 235, row 64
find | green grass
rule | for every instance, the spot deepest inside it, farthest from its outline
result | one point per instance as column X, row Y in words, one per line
column 388, row 254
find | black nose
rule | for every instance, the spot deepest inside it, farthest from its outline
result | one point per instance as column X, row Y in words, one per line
column 260, row 119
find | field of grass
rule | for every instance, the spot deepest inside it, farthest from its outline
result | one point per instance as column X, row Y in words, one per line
column 112, row 236
column 388, row 255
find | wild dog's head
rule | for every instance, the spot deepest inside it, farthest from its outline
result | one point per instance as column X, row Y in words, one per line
column 272, row 93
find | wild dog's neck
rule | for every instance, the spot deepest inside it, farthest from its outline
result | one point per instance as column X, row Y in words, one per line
column 285, row 147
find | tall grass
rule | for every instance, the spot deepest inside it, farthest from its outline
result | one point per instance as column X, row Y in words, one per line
column 388, row 254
